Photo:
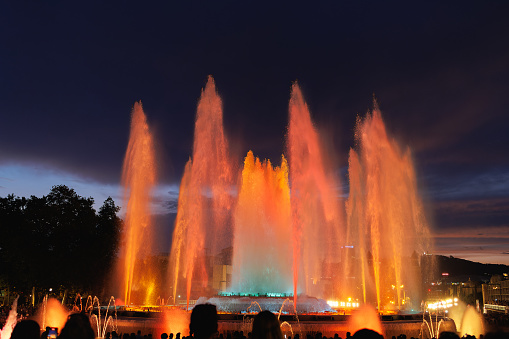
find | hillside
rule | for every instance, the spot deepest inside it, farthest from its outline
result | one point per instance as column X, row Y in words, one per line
column 461, row 268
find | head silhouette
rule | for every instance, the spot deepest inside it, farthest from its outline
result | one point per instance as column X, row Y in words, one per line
column 77, row 327
column 266, row 326
column 203, row 323
column 367, row 334
column 26, row 329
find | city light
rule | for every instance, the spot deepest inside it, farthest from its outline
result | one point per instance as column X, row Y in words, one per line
column 343, row 304
column 443, row 304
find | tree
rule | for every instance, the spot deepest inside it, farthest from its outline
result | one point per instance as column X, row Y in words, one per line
column 56, row 240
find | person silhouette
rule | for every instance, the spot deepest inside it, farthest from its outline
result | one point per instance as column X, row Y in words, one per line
column 367, row 334
column 77, row 326
column 266, row 326
column 203, row 324
column 26, row 329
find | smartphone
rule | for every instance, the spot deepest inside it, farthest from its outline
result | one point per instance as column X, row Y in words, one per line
column 53, row 332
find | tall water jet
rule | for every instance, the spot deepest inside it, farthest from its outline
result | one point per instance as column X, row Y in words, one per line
column 357, row 232
column 471, row 323
column 205, row 194
column 11, row 321
column 261, row 247
column 385, row 220
column 288, row 242
column 138, row 179
column 316, row 213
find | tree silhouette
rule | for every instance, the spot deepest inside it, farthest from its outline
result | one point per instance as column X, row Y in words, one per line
column 57, row 240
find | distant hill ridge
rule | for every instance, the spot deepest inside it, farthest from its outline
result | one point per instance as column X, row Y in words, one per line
column 456, row 267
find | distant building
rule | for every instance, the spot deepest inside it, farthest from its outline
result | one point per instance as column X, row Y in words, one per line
column 222, row 270
column 496, row 291
column 221, row 277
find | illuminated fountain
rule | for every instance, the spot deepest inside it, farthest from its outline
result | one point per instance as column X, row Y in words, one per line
column 287, row 225
column 262, row 253
column 138, row 178
column 103, row 323
column 467, row 320
column 204, row 205
column 11, row 321
column 280, row 237
column 472, row 323
column 317, row 219
column 385, row 220
column 52, row 313
column 365, row 317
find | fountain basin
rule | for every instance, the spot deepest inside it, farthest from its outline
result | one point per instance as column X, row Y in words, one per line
column 241, row 304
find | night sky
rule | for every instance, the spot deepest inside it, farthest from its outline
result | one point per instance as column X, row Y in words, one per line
column 70, row 73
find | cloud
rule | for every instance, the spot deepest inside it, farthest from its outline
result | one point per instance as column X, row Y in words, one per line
column 474, row 218
column 486, row 249
column 27, row 180
column 458, row 182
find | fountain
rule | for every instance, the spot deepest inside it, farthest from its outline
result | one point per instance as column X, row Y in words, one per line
column 51, row 313
column 204, row 198
column 10, row 323
column 101, row 324
column 316, row 209
column 287, row 239
column 287, row 226
column 262, row 254
column 138, row 178
column 471, row 323
column 365, row 317
column 385, row 220
column 432, row 328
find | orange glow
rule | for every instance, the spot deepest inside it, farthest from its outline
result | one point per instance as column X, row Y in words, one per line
column 138, row 178
column 261, row 247
column 385, row 217
column 290, row 220
column 173, row 321
column 365, row 317
column 204, row 197
column 55, row 314
column 316, row 213
column 472, row 323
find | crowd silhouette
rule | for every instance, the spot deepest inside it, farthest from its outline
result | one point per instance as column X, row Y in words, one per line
column 204, row 325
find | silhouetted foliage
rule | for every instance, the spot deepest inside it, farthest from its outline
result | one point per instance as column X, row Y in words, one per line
column 57, row 240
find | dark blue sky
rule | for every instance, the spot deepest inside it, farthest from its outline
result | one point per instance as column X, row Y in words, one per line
column 70, row 73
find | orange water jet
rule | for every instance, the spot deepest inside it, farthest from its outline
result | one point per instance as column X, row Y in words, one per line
column 138, row 179
column 471, row 323
column 261, row 247
column 204, row 197
column 385, row 219
column 316, row 214
column 295, row 240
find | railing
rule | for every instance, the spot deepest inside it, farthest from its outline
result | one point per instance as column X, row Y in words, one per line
column 496, row 308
